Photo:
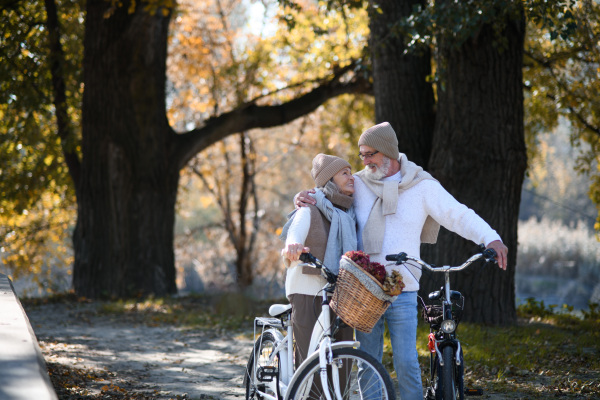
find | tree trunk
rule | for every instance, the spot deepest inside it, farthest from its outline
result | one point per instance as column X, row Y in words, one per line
column 123, row 239
column 479, row 156
column 403, row 97
column 131, row 158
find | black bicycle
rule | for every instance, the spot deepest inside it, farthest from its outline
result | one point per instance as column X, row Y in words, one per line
column 446, row 361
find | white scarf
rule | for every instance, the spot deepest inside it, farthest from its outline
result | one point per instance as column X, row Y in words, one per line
column 387, row 203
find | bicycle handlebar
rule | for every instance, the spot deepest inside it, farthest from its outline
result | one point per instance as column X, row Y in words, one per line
column 487, row 254
column 309, row 258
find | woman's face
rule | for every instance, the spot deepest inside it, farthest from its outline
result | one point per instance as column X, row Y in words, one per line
column 344, row 181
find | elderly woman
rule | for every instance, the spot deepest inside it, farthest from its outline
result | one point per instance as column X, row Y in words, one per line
column 327, row 230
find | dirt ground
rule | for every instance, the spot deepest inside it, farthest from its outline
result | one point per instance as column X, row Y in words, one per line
column 95, row 355
column 135, row 360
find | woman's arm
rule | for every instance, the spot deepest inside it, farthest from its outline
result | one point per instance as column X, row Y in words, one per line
column 294, row 243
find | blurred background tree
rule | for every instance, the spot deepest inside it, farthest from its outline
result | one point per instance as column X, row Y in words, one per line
column 561, row 80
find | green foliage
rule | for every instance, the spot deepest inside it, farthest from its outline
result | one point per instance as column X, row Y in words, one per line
column 455, row 22
column 555, row 17
column 36, row 191
column 533, row 308
column 593, row 314
column 31, row 159
column 150, row 6
column 561, row 79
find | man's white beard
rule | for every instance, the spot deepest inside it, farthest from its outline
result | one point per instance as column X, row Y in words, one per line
column 380, row 172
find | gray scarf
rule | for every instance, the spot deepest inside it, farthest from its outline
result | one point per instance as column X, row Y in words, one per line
column 387, row 203
column 342, row 232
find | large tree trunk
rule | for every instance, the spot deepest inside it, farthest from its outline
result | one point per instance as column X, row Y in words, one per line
column 131, row 158
column 123, row 239
column 403, row 97
column 479, row 156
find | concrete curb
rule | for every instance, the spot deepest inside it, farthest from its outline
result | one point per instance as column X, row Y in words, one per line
column 23, row 371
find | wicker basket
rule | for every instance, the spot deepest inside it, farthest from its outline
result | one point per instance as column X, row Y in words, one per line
column 358, row 299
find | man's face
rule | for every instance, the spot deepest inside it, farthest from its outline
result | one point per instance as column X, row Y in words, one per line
column 377, row 164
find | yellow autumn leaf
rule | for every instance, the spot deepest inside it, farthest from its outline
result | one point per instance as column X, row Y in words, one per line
column 206, row 201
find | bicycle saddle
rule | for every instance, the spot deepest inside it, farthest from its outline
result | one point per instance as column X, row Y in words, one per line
column 279, row 309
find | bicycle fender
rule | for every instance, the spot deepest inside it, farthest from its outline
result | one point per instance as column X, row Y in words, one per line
column 279, row 338
column 336, row 345
column 276, row 334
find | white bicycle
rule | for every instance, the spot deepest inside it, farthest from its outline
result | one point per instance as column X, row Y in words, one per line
column 348, row 372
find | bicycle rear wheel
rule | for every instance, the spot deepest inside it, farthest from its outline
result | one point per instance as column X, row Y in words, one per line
column 262, row 372
column 361, row 377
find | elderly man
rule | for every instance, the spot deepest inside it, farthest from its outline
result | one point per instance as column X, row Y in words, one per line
column 399, row 206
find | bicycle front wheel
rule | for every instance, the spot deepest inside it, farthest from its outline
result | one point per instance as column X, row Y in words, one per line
column 452, row 376
column 263, row 369
column 360, row 377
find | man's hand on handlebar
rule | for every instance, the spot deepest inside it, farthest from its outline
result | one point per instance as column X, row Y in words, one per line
column 303, row 199
column 501, row 251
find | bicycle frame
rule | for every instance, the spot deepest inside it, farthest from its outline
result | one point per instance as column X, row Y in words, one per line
column 443, row 333
column 321, row 346
column 284, row 349
column 449, row 338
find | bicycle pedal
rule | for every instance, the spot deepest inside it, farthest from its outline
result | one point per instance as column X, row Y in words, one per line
column 266, row 374
column 429, row 394
column 474, row 392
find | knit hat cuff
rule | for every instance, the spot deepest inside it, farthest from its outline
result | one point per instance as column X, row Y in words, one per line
column 325, row 167
column 382, row 138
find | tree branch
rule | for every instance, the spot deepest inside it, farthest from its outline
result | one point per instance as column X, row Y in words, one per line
column 64, row 126
column 250, row 116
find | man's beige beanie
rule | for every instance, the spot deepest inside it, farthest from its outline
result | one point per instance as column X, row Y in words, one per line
column 381, row 137
column 324, row 167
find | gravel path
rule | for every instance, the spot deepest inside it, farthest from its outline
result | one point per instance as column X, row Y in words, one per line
column 121, row 355
column 163, row 362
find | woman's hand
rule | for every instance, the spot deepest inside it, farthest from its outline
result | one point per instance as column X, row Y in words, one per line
column 292, row 251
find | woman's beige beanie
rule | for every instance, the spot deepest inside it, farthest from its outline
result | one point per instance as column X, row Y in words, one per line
column 324, row 167
column 381, row 137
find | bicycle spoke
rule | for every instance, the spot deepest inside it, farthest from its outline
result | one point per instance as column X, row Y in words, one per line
column 360, row 376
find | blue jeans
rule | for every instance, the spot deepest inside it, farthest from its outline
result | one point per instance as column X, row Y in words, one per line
column 401, row 317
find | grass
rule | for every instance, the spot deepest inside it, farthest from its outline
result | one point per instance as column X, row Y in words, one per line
column 229, row 311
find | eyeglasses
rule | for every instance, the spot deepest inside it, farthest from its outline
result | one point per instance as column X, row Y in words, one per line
column 367, row 155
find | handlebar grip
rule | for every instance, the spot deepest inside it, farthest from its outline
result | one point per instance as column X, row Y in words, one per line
column 309, row 258
column 399, row 258
column 490, row 255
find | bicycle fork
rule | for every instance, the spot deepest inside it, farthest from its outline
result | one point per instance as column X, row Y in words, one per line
column 322, row 339
column 456, row 347
column 325, row 359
